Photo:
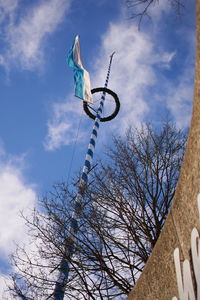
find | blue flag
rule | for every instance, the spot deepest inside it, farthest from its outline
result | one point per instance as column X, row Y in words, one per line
column 81, row 76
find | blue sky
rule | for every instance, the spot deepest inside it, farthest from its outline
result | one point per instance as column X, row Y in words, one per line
column 152, row 73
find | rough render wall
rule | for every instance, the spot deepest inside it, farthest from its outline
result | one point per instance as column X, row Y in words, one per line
column 158, row 280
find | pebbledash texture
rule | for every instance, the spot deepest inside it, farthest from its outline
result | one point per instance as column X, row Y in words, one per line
column 169, row 273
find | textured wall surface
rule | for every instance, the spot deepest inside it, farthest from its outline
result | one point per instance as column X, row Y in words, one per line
column 158, row 280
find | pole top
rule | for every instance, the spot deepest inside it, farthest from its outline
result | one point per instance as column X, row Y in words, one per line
column 112, row 55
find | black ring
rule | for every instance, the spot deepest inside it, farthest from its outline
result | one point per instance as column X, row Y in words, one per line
column 117, row 103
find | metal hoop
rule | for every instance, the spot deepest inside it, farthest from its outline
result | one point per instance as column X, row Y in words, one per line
column 88, row 109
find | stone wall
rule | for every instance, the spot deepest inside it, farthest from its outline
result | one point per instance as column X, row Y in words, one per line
column 158, row 280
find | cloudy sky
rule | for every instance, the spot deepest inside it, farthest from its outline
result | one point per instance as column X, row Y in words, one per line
column 43, row 126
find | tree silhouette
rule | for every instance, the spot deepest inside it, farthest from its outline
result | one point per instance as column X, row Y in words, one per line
column 125, row 207
column 142, row 8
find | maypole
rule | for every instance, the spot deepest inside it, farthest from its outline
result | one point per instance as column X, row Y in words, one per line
column 61, row 283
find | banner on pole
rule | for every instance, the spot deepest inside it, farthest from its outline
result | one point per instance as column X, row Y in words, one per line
column 81, row 76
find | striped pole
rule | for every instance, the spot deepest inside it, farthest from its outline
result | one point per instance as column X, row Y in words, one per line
column 61, row 283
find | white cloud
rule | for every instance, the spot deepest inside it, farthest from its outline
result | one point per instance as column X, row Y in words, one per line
column 133, row 70
column 3, row 287
column 15, row 196
column 7, row 8
column 26, row 38
column 64, row 124
column 167, row 57
column 179, row 101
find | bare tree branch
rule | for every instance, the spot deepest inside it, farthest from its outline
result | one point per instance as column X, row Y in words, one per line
column 124, row 211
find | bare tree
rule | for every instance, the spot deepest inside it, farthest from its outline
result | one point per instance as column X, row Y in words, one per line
column 142, row 8
column 125, row 207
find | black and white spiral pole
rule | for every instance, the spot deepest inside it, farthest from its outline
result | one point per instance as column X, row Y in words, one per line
column 61, row 283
